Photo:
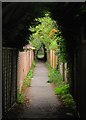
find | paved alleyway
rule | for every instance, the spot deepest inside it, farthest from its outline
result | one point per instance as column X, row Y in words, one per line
column 41, row 100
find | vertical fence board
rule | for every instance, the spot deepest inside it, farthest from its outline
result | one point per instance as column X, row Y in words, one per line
column 53, row 60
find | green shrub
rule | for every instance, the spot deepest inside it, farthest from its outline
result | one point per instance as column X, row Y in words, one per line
column 20, row 98
column 52, row 75
column 66, row 97
column 62, row 89
column 59, row 78
column 55, row 76
column 68, row 100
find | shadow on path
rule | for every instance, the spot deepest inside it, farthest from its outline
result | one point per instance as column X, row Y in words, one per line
column 41, row 102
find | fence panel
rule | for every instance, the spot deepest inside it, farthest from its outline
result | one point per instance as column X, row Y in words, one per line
column 9, row 77
column 53, row 59
column 25, row 59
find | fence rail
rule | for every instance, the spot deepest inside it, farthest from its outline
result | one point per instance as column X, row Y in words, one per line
column 9, row 77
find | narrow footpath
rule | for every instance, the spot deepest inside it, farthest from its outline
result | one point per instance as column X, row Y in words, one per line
column 41, row 101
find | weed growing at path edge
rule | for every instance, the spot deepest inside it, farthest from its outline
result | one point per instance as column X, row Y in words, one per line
column 20, row 98
column 62, row 88
column 28, row 78
column 26, row 83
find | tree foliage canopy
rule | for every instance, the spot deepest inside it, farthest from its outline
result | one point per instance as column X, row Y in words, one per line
column 46, row 32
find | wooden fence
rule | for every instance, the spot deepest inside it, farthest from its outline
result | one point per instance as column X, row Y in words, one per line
column 53, row 60
column 15, row 66
column 63, row 70
column 9, row 77
column 25, row 60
